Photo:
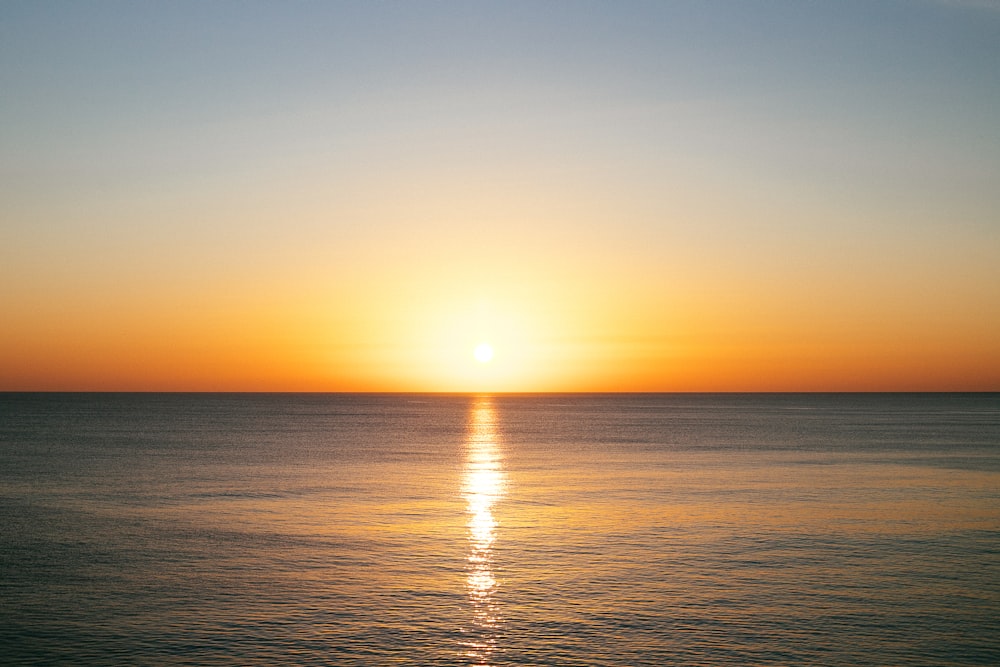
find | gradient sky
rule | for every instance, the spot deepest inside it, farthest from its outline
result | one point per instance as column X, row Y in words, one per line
column 672, row 196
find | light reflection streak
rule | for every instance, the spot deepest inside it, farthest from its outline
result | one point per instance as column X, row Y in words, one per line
column 482, row 486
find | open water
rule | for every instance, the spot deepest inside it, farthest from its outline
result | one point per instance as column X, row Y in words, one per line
column 651, row 529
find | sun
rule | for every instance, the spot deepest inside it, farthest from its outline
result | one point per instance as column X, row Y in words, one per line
column 483, row 353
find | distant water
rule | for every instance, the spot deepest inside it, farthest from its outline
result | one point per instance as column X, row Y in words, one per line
column 596, row 530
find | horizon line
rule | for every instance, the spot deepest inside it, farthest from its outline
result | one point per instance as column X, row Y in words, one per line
column 499, row 393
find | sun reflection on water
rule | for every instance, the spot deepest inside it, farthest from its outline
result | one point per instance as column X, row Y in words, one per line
column 482, row 487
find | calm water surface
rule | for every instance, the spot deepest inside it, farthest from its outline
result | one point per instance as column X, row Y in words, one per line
column 646, row 529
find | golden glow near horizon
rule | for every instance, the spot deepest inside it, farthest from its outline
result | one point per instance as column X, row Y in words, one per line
column 483, row 486
column 642, row 197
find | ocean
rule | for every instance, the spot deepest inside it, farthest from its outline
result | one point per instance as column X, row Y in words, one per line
column 578, row 529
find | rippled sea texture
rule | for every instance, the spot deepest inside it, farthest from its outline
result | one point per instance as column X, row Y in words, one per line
column 506, row 530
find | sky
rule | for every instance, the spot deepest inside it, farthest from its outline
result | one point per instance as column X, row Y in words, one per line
column 695, row 195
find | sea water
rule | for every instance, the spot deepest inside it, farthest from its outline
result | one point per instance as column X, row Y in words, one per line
column 649, row 529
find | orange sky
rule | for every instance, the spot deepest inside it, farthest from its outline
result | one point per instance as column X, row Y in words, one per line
column 660, row 197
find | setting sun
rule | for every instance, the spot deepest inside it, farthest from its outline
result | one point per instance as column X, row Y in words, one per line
column 483, row 353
